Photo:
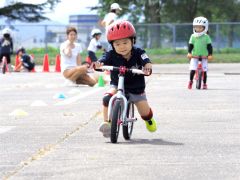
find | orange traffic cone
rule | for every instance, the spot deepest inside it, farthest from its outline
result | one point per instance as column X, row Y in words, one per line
column 45, row 63
column 17, row 61
column 33, row 70
column 58, row 64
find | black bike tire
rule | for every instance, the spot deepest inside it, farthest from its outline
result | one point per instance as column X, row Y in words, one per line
column 115, row 126
column 128, row 128
column 4, row 68
column 199, row 80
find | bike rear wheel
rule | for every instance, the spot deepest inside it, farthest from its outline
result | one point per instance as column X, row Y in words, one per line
column 128, row 127
column 199, row 79
column 115, row 120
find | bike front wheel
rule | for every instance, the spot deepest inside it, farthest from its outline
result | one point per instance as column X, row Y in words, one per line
column 116, row 120
column 128, row 127
column 4, row 68
column 199, row 79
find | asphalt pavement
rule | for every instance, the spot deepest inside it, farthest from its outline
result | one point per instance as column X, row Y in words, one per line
column 49, row 129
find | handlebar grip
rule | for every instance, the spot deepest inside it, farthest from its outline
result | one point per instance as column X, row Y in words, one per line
column 137, row 71
column 103, row 68
column 109, row 68
column 113, row 68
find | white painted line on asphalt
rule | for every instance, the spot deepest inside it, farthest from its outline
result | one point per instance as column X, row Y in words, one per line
column 4, row 129
column 76, row 98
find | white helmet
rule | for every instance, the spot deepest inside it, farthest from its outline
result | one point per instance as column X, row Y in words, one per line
column 7, row 31
column 95, row 32
column 115, row 6
column 200, row 21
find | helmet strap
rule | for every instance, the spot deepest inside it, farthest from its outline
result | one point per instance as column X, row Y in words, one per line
column 133, row 40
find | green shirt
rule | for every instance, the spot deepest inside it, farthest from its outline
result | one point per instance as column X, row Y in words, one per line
column 200, row 44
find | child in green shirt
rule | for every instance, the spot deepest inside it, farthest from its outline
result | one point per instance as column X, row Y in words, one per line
column 200, row 44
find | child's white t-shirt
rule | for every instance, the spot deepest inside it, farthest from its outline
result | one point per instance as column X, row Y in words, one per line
column 93, row 45
column 66, row 61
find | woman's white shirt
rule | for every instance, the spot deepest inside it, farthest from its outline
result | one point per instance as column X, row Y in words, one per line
column 68, row 62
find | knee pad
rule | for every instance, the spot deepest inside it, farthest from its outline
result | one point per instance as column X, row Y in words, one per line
column 149, row 116
column 106, row 99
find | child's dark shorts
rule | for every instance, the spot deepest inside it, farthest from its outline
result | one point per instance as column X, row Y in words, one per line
column 134, row 97
column 137, row 97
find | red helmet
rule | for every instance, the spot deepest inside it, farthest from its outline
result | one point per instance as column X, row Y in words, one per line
column 120, row 30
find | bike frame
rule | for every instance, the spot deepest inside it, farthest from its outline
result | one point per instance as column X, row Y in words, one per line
column 199, row 68
column 120, row 92
column 119, row 95
column 119, row 106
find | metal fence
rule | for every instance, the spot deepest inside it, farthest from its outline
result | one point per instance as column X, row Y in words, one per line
column 175, row 36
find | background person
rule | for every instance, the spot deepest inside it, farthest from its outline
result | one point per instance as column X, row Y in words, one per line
column 6, row 46
column 94, row 44
column 26, row 61
column 200, row 44
column 71, row 60
column 112, row 16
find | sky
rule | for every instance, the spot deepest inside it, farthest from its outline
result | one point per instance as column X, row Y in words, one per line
column 64, row 8
column 71, row 7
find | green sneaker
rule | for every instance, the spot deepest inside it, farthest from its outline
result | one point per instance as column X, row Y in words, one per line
column 151, row 125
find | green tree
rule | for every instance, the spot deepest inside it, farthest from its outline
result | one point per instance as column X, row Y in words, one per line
column 175, row 11
column 180, row 10
column 187, row 10
column 161, row 11
column 228, row 11
column 28, row 12
column 215, row 11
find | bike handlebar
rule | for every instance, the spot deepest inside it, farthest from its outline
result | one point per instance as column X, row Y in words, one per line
column 122, row 69
column 198, row 57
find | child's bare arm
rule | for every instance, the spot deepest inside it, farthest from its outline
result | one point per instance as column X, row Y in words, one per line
column 98, row 65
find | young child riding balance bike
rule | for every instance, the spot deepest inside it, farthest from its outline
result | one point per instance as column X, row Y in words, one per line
column 122, row 37
column 200, row 45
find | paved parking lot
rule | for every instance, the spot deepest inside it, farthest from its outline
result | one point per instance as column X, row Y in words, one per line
column 49, row 129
